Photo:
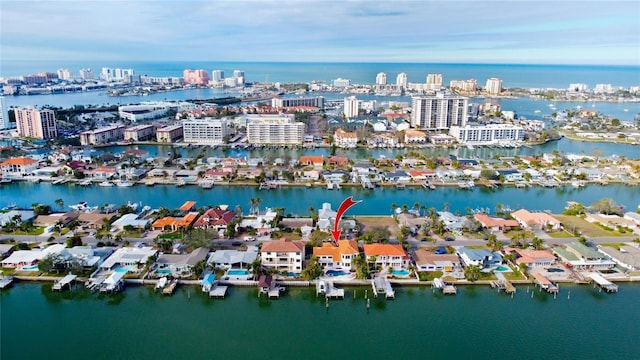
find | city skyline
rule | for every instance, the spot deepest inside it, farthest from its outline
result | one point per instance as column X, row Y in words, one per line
column 566, row 32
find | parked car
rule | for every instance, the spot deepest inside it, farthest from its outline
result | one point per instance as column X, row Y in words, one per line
column 449, row 238
column 249, row 238
column 236, row 243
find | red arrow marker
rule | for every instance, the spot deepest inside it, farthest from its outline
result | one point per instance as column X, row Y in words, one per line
column 347, row 203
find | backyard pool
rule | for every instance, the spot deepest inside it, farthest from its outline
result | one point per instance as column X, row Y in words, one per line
column 502, row 268
column 30, row 268
column 237, row 272
column 400, row 272
column 336, row 273
column 163, row 271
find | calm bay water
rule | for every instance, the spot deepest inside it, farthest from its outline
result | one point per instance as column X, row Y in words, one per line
column 477, row 323
column 297, row 200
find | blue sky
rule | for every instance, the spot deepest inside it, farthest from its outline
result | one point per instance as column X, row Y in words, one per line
column 540, row 32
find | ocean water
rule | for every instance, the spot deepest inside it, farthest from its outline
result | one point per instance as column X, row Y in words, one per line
column 477, row 323
column 516, row 75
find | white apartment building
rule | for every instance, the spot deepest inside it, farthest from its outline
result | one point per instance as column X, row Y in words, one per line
column 103, row 135
column 579, row 87
column 140, row 133
column 205, row 131
column 317, row 101
column 340, row 82
column 438, row 112
column 381, row 79
column 274, row 129
column 351, row 107
column 603, row 88
column 64, row 74
column 109, row 74
column 169, row 134
column 434, row 81
column 283, row 255
column 493, row 86
column 86, row 74
column 142, row 112
column 217, row 75
column 4, row 116
column 487, row 134
column 345, row 139
column 402, row 80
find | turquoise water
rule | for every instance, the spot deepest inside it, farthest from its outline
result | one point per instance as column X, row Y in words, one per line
column 163, row 271
column 502, row 268
column 237, row 272
column 121, row 270
column 477, row 323
column 30, row 268
column 400, row 272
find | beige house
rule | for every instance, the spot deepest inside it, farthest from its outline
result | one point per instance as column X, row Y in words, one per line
column 283, row 255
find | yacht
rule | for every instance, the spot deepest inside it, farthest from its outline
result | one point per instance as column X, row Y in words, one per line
column 162, row 282
column 106, row 184
column 124, row 183
column 82, row 207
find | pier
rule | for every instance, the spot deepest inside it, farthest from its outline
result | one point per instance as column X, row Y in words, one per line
column 6, row 281
column 447, row 289
column 380, row 285
column 502, row 284
column 329, row 291
column 545, row 284
column 64, row 282
column 603, row 283
column 169, row 289
column 218, row 291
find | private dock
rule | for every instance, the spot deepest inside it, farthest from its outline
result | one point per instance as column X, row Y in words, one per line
column 207, row 282
column 94, row 283
column 6, row 281
column 447, row 289
column 169, row 289
column 114, row 283
column 603, row 283
column 329, row 291
column 502, row 284
column 380, row 285
column 545, row 284
column 266, row 285
column 218, row 291
column 64, row 282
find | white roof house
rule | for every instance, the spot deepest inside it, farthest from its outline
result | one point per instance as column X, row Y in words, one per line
column 30, row 257
column 223, row 259
column 132, row 220
column 128, row 257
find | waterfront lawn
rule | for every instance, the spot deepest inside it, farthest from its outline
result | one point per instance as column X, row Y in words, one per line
column 7, row 271
column 429, row 275
column 33, row 232
column 487, row 276
column 367, row 222
column 584, row 227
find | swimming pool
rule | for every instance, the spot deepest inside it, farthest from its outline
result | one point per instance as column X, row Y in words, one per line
column 336, row 273
column 400, row 272
column 30, row 268
column 121, row 270
column 163, row 271
column 237, row 272
column 502, row 268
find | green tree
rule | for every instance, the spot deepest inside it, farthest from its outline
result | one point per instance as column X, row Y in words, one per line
column 60, row 203
column 313, row 269
column 472, row 273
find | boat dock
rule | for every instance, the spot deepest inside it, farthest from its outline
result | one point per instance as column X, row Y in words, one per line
column 85, row 182
column 218, row 291
column 502, row 284
column 6, row 281
column 266, row 285
column 94, row 283
column 603, row 283
column 64, row 282
column 447, row 289
column 329, row 291
column 545, row 284
column 60, row 181
column 380, row 285
column 114, row 283
column 169, row 289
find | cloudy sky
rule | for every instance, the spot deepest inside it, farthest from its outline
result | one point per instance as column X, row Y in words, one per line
column 516, row 31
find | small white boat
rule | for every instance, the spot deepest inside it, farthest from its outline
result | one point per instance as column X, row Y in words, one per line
column 181, row 183
column 106, row 184
column 124, row 183
column 162, row 282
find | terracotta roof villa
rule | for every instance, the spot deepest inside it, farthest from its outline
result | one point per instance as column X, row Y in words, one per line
column 175, row 223
column 539, row 220
column 215, row 218
column 341, row 255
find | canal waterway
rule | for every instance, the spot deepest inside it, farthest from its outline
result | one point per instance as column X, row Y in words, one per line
column 477, row 323
column 297, row 200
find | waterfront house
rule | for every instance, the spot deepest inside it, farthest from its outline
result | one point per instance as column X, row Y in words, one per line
column 588, row 173
column 181, row 265
column 283, row 255
column 18, row 166
column 479, row 257
column 130, row 258
column 55, row 219
column 386, row 256
column 626, row 256
column 331, row 256
column 536, row 220
column 28, row 258
column 225, row 259
column 249, row 173
column 532, row 258
column 334, row 176
column 397, row 176
column 495, row 223
column 261, row 221
column 23, row 215
column 215, row 218
column 316, row 161
column 93, row 220
column 415, row 137
column 582, row 257
column 102, row 172
column 174, row 223
column 428, row 261
column 511, row 175
column 442, row 139
column 345, row 139
column 452, row 222
column 338, row 161
column 217, row 174
column 422, row 175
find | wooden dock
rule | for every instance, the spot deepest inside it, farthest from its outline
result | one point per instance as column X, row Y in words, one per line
column 545, row 284
column 329, row 291
column 169, row 289
column 380, row 285
column 5, row 282
column 447, row 289
column 218, row 291
column 502, row 284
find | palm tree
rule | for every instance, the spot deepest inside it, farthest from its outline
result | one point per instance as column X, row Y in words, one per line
column 60, row 203
column 472, row 272
column 393, row 208
column 446, row 206
column 423, row 209
column 537, row 243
